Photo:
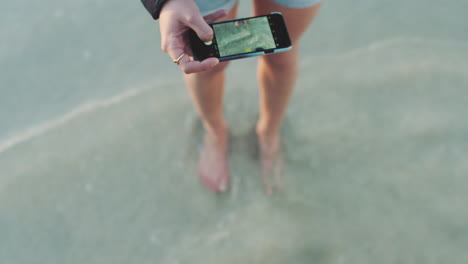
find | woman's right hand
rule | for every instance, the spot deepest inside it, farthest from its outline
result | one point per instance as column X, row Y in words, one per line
column 175, row 19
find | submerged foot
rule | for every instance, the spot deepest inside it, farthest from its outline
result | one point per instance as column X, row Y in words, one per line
column 271, row 162
column 213, row 165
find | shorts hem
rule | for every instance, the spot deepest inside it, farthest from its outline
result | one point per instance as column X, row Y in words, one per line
column 297, row 3
column 226, row 6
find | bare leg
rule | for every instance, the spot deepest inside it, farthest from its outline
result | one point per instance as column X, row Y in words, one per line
column 206, row 90
column 277, row 75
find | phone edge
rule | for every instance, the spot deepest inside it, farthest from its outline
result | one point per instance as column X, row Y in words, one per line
column 255, row 54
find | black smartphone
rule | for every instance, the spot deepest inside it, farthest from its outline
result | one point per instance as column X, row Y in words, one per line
column 242, row 38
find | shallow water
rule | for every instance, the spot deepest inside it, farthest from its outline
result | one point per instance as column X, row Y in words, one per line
column 98, row 142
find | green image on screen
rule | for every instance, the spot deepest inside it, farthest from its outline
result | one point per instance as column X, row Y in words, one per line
column 243, row 36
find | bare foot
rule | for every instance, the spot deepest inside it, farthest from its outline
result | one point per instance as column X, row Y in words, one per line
column 271, row 162
column 213, row 165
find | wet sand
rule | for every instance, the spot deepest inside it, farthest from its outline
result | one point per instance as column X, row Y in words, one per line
column 376, row 155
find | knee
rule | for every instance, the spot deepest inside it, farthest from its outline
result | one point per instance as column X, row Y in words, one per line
column 285, row 61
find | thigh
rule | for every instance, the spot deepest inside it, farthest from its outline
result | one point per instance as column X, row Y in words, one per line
column 210, row 6
column 297, row 19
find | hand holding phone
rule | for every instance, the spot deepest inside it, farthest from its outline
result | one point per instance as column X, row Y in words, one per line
column 242, row 38
column 174, row 24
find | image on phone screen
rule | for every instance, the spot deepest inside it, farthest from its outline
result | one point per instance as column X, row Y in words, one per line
column 243, row 36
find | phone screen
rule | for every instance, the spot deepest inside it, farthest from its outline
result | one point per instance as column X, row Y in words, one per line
column 243, row 36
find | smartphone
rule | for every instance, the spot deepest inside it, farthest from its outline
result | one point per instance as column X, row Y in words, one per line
column 242, row 38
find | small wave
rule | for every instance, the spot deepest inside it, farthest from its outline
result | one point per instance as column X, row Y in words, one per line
column 78, row 111
column 393, row 57
column 389, row 43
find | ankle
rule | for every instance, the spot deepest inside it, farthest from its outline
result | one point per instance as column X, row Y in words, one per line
column 269, row 142
column 218, row 131
column 267, row 135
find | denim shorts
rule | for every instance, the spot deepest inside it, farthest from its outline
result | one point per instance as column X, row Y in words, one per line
column 210, row 6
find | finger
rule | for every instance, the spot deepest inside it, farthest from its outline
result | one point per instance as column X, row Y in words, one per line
column 215, row 16
column 188, row 49
column 174, row 53
column 199, row 25
column 189, row 66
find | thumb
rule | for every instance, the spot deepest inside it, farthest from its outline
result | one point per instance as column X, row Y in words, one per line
column 199, row 25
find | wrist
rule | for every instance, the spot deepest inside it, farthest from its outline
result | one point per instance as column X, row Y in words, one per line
column 154, row 7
